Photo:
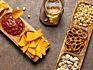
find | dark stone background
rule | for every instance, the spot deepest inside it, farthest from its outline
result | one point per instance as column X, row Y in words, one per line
column 11, row 58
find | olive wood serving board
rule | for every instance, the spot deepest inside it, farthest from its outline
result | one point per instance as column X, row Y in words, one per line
column 82, row 53
column 43, row 16
column 15, row 39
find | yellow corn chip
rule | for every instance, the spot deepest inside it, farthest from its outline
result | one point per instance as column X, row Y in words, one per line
column 1, row 8
column 33, row 36
column 4, row 5
column 39, row 30
column 22, row 41
column 41, row 50
column 37, row 41
column 39, row 54
column 41, row 47
column 24, row 49
column 44, row 42
column 17, row 13
column 32, row 51
column 34, row 43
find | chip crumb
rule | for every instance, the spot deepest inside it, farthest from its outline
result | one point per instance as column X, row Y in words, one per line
column 24, row 8
column 29, row 16
column 46, row 19
column 17, row 8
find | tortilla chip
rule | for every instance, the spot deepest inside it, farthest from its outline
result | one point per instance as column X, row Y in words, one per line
column 33, row 36
column 22, row 41
column 24, row 49
column 41, row 50
column 39, row 54
column 41, row 47
column 39, row 30
column 17, row 13
column 32, row 51
column 3, row 6
column 34, row 43
column 44, row 43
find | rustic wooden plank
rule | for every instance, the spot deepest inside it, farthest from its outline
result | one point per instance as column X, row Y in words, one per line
column 15, row 39
column 88, row 29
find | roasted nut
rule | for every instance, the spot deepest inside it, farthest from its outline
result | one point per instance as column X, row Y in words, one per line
column 80, row 24
column 67, row 56
column 70, row 63
column 60, row 64
column 84, row 25
column 62, row 68
column 84, row 15
column 76, row 59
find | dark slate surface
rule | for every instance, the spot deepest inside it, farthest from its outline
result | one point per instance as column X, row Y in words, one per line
column 11, row 58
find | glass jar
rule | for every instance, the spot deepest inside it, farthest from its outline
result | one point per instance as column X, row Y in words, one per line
column 53, row 10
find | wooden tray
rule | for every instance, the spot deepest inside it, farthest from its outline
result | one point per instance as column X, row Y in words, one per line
column 82, row 53
column 43, row 16
column 15, row 39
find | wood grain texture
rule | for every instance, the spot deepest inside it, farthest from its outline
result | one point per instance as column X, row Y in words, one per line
column 15, row 39
column 83, row 52
column 11, row 57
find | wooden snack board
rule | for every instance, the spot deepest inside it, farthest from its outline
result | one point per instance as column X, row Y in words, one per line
column 15, row 39
column 82, row 53
column 43, row 16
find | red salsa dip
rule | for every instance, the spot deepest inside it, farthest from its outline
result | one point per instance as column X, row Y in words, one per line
column 12, row 26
